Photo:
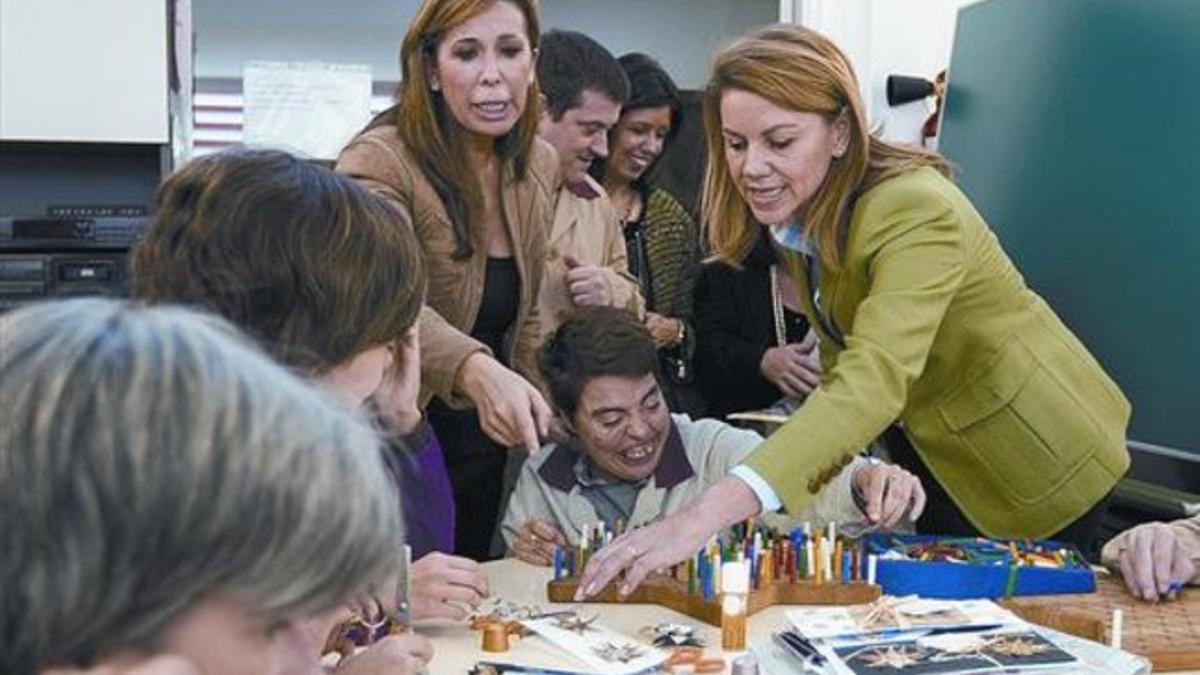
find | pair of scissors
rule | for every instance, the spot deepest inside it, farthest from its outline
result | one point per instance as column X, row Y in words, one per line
column 692, row 660
column 371, row 621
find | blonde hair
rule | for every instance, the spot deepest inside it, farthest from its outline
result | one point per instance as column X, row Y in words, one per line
column 799, row 69
column 430, row 131
column 151, row 457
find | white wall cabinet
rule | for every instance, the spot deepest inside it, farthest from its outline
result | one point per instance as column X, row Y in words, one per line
column 83, row 71
column 681, row 33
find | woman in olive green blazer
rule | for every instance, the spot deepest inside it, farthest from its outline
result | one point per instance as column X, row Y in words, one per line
column 928, row 332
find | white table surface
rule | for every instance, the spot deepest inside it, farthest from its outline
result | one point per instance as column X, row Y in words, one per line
column 457, row 647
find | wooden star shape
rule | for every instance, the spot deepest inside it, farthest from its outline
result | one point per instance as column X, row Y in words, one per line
column 498, row 609
column 576, row 623
column 667, row 635
column 660, row 589
column 623, row 653
column 891, row 657
column 1015, row 646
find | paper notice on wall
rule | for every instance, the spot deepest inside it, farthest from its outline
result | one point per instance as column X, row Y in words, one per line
column 311, row 109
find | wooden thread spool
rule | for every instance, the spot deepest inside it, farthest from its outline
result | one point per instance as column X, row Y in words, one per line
column 495, row 637
column 735, row 585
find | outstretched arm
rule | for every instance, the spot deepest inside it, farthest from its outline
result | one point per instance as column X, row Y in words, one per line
column 670, row 540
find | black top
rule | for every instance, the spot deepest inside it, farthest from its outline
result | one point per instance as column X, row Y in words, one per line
column 498, row 309
column 735, row 325
column 635, row 250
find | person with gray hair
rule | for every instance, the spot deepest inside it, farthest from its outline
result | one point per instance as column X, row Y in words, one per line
column 165, row 489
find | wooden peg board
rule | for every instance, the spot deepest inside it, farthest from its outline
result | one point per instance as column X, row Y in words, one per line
column 666, row 591
column 1167, row 633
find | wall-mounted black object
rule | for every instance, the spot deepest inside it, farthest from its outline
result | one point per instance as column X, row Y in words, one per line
column 1073, row 125
column 903, row 89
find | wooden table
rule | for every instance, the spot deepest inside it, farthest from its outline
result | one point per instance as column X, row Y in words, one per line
column 1168, row 633
column 457, row 647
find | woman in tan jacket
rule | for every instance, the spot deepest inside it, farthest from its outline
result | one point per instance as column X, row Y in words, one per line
column 458, row 157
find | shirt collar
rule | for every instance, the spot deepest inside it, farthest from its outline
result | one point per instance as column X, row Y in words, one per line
column 558, row 471
column 585, row 474
column 790, row 235
column 585, row 188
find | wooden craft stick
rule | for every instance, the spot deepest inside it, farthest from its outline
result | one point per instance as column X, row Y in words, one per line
column 755, row 416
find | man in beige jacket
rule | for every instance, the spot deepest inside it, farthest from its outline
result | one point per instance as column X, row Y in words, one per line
column 1156, row 559
column 583, row 89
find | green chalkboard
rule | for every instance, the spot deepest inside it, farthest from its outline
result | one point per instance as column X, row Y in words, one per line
column 1075, row 127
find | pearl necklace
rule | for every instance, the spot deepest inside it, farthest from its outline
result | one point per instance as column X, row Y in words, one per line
column 632, row 208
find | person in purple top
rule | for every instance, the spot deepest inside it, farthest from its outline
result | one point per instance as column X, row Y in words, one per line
column 313, row 267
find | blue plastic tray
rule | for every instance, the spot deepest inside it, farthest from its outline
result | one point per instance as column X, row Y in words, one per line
column 953, row 580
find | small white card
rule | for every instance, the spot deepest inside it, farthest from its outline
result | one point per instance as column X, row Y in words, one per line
column 604, row 650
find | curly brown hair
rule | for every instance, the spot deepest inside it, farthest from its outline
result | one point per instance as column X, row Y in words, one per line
column 594, row 342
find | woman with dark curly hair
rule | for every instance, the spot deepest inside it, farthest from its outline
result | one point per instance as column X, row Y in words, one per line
column 662, row 237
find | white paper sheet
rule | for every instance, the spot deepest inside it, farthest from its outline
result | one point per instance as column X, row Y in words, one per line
column 822, row 622
column 1094, row 658
column 311, row 109
column 583, row 647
